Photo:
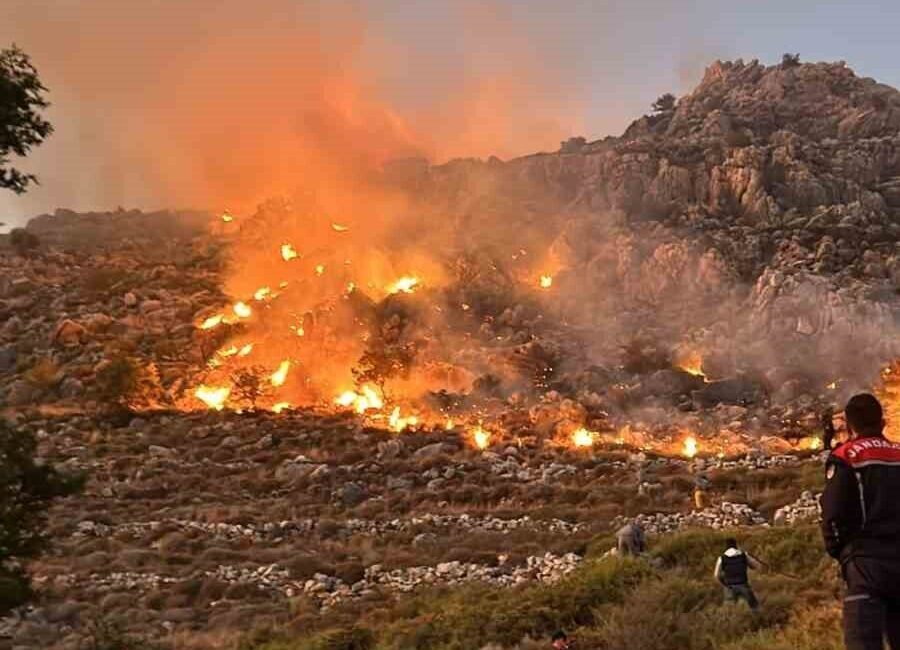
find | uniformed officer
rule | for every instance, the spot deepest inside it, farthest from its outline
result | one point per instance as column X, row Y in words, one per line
column 861, row 525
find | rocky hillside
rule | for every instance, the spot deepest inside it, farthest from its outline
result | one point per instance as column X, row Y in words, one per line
column 774, row 189
column 753, row 222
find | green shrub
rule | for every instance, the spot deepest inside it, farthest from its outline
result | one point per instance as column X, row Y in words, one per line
column 668, row 600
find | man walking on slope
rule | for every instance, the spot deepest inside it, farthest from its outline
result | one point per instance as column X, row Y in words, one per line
column 861, row 526
column 731, row 571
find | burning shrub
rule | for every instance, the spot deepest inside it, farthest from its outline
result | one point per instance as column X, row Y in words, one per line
column 250, row 384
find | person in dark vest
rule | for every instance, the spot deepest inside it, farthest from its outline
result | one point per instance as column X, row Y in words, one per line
column 731, row 572
column 861, row 525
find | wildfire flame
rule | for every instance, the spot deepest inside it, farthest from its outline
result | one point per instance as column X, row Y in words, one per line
column 406, row 284
column 245, row 350
column 320, row 269
column 583, row 438
column 226, row 217
column 689, row 447
column 366, row 399
column 546, row 281
column 262, row 293
column 214, row 397
column 288, row 253
column 692, row 363
column 280, row 406
column 481, row 438
column 336, row 227
column 279, row 376
column 228, row 352
column 242, row 310
column 399, row 423
column 212, row 322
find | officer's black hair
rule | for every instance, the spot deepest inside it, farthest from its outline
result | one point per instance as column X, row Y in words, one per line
column 559, row 635
column 864, row 415
column 731, row 542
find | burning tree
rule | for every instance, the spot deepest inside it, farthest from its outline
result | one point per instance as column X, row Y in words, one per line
column 389, row 352
column 21, row 125
column 250, row 385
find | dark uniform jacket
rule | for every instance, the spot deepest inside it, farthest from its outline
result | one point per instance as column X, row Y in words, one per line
column 861, row 501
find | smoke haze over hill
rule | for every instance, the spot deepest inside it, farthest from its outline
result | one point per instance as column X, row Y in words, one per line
column 207, row 104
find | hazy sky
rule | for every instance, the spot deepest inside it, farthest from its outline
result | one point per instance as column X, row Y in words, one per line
column 441, row 78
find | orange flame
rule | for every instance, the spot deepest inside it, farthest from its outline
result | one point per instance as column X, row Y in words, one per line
column 280, row 406
column 399, row 423
column 214, row 397
column 481, row 438
column 242, row 310
column 365, row 400
column 211, row 322
column 279, row 376
column 689, row 447
column 692, row 363
column 406, row 284
column 583, row 438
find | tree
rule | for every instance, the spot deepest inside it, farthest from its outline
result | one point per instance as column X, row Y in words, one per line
column 664, row 104
column 790, row 60
column 27, row 488
column 249, row 385
column 21, row 125
column 23, row 241
column 127, row 383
